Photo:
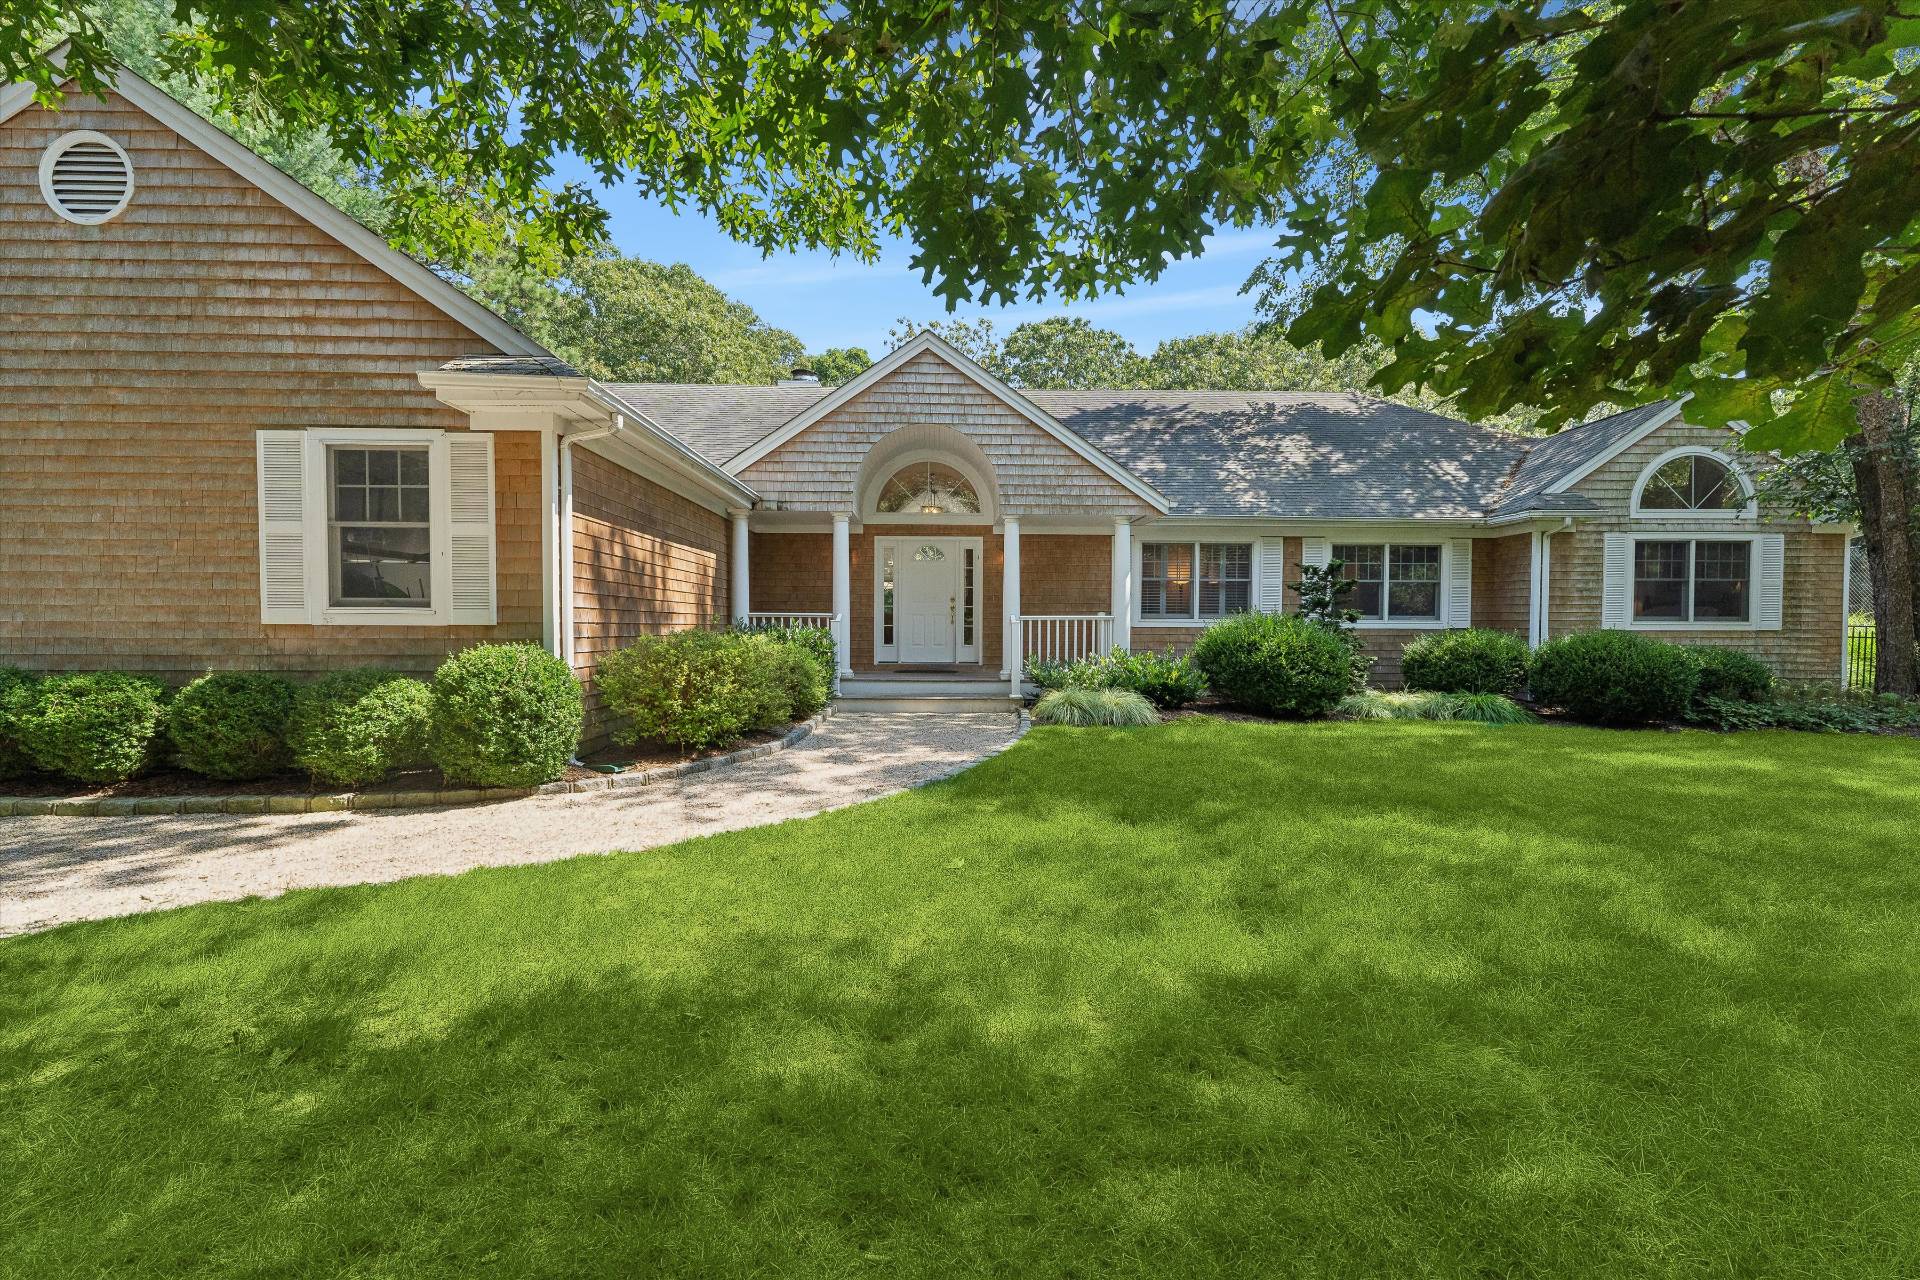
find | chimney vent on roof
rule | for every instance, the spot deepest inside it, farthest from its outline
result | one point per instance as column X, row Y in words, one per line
column 801, row 377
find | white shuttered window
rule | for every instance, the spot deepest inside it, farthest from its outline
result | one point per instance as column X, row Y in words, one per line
column 376, row 527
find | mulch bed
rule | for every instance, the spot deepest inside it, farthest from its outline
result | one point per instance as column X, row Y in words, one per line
column 168, row 780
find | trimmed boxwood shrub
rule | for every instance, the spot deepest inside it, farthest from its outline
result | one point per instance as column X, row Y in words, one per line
column 1475, row 661
column 1278, row 664
column 15, row 685
column 231, row 724
column 96, row 726
column 1730, row 674
column 693, row 689
column 795, row 680
column 1614, row 677
column 358, row 726
column 505, row 715
column 816, row 642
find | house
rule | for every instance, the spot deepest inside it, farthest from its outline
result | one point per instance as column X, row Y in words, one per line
column 240, row 431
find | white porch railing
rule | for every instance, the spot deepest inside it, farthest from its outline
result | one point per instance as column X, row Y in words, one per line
column 823, row 620
column 1061, row 637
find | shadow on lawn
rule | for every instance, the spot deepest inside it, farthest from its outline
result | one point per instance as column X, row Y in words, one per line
column 1065, row 1015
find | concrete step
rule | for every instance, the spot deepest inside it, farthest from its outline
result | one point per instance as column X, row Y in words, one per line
column 943, row 704
column 921, row 687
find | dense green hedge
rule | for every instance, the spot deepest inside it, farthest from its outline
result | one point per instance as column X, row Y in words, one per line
column 358, row 726
column 96, row 726
column 1474, row 661
column 504, row 715
column 1614, row 677
column 1281, row 665
column 697, row 689
column 231, row 725
column 15, row 685
column 1730, row 674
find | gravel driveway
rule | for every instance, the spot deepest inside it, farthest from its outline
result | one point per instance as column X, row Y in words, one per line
column 53, row 870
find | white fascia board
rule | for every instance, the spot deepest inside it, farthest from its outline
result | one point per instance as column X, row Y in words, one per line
column 1658, row 421
column 927, row 341
column 418, row 279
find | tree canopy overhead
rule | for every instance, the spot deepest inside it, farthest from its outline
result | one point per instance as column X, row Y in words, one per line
column 1554, row 204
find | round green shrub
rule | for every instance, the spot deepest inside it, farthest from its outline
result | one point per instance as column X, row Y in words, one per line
column 795, row 680
column 1730, row 674
column 358, row 726
column 1614, row 677
column 15, row 686
column 231, row 724
column 1117, row 708
column 692, row 689
column 96, row 726
column 505, row 715
column 1474, row 661
column 1281, row 665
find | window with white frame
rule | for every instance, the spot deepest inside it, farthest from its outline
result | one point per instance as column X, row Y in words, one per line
column 379, row 527
column 1191, row 581
column 1691, row 482
column 1392, row 581
column 1685, row 580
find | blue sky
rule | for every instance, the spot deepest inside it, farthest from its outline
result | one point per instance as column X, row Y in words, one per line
column 845, row 302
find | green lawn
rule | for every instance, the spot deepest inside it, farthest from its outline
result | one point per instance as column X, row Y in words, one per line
column 1210, row 998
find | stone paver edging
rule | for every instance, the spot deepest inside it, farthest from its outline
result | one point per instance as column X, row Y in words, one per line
column 153, row 806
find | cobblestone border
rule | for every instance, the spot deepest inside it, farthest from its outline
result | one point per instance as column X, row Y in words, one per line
column 149, row 806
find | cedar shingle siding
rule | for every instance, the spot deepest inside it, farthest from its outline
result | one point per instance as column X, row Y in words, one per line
column 139, row 359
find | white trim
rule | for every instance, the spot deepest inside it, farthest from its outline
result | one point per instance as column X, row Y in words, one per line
column 1755, row 581
column 1846, row 613
column 59, row 147
column 1536, row 621
column 926, row 341
column 889, row 655
column 1386, row 543
column 1192, row 622
column 983, row 490
column 1750, row 511
column 420, row 280
column 1640, row 433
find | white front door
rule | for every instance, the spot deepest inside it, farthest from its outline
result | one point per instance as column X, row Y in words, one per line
column 927, row 599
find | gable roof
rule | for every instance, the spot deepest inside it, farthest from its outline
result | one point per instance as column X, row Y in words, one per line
column 1561, row 460
column 719, row 420
column 448, row 298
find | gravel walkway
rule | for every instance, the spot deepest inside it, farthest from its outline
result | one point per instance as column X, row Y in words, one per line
column 53, row 870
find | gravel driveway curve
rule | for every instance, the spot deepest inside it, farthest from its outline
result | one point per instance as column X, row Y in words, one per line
column 54, row 870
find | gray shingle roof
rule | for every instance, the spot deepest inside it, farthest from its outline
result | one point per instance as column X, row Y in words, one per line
column 718, row 421
column 1224, row 454
column 513, row 366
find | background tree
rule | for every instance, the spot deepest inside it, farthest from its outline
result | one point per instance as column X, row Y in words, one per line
column 837, row 365
column 1068, row 353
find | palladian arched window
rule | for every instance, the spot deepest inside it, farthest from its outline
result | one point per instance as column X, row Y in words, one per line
column 930, row 489
column 1695, row 482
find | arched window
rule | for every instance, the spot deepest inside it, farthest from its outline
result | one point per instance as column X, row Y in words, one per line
column 930, row 489
column 1692, row 482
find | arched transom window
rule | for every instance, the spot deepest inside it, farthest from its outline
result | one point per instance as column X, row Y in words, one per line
column 1693, row 482
column 929, row 489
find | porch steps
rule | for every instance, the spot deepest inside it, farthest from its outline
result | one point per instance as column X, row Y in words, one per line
column 927, row 694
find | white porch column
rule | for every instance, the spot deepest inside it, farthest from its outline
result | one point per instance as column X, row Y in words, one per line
column 1010, row 603
column 843, row 590
column 1121, row 605
column 742, row 602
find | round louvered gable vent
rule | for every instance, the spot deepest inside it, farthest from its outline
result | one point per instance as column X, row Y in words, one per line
column 86, row 177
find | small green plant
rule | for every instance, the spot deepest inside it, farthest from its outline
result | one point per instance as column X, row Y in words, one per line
column 1486, row 708
column 1376, row 704
column 92, row 726
column 231, row 725
column 1114, row 708
column 1167, row 681
column 504, row 715
column 797, row 684
column 817, row 642
column 1321, row 590
column 1049, row 673
column 1614, row 677
column 692, row 689
column 1280, row 665
column 1810, row 709
column 1730, row 674
column 1473, row 661
column 354, row 727
column 15, row 686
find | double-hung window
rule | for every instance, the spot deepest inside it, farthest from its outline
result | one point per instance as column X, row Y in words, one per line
column 1392, row 581
column 379, row 528
column 1195, row 581
column 1681, row 580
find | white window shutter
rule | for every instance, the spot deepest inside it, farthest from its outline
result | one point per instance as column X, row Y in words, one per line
column 1460, row 582
column 1769, row 578
column 1317, row 552
column 1273, row 575
column 281, row 471
column 1616, row 589
column 470, row 537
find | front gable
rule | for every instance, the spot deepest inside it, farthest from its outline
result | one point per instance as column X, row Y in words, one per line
column 1039, row 468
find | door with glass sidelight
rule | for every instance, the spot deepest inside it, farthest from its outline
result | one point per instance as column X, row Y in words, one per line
column 926, row 600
